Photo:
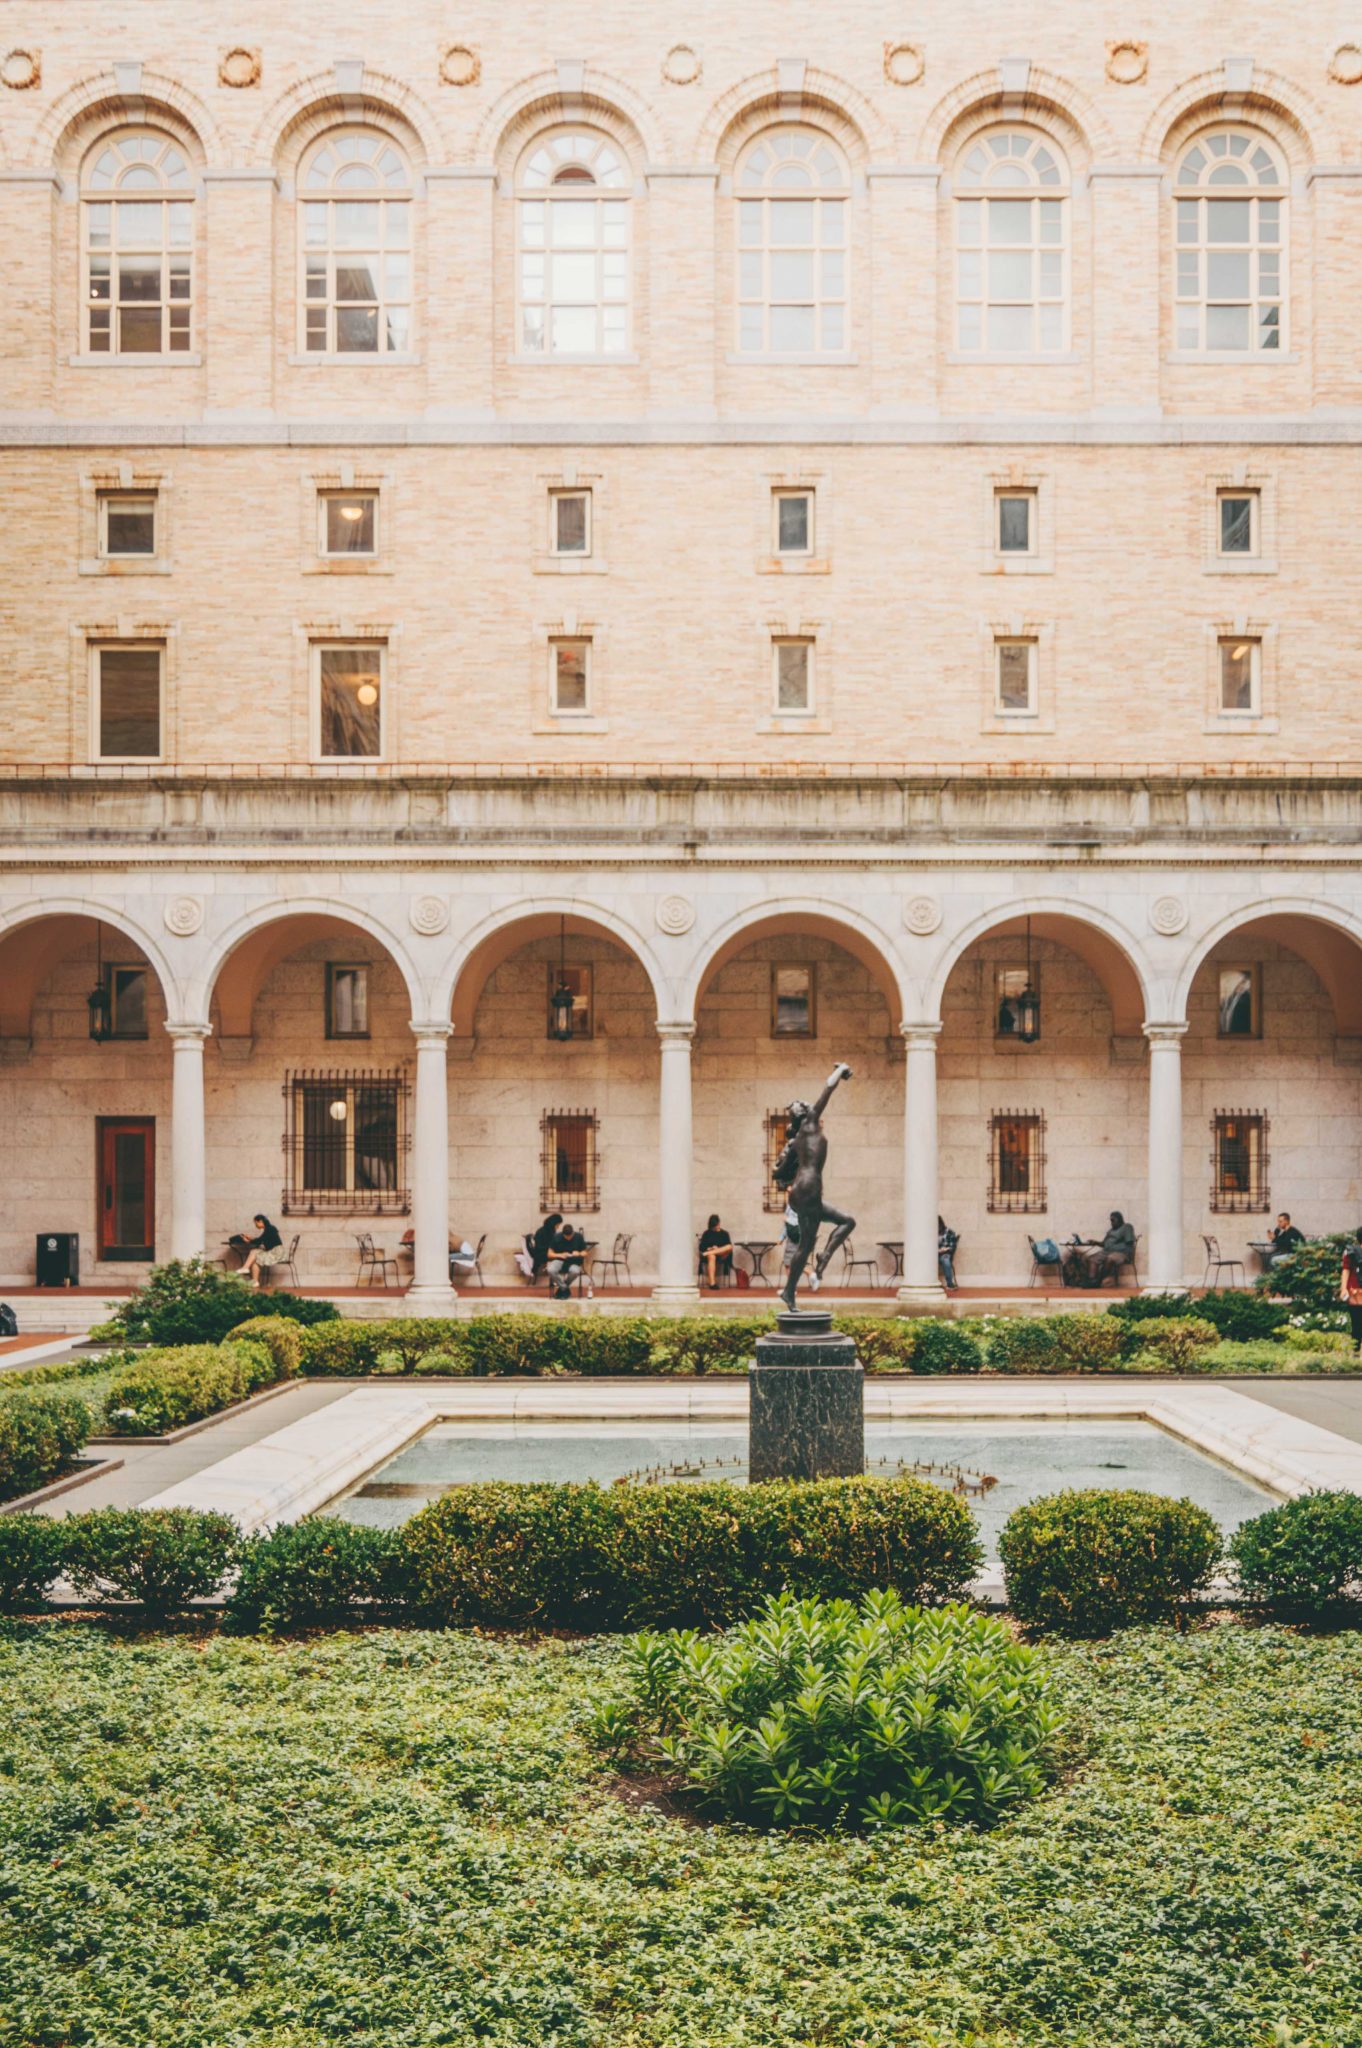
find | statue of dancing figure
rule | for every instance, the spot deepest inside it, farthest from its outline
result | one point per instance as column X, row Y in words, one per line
column 799, row 1170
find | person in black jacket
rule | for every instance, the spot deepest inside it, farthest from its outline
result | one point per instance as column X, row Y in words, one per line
column 262, row 1251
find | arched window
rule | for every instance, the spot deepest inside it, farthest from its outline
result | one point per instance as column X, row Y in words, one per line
column 793, row 193
column 1231, row 240
column 574, row 247
column 137, row 195
column 1011, row 246
column 356, row 256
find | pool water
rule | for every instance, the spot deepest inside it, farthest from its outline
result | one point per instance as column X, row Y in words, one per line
column 1025, row 1459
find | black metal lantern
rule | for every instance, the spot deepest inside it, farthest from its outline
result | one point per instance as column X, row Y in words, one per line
column 97, row 1002
column 1028, row 1002
column 561, row 1001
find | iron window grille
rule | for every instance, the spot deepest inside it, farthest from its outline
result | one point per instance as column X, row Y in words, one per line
column 1016, row 1162
column 568, row 1160
column 774, row 1198
column 346, row 1142
column 1239, row 1162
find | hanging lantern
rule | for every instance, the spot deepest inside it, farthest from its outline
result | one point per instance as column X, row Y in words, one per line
column 97, row 1002
column 1028, row 1002
column 561, row 1001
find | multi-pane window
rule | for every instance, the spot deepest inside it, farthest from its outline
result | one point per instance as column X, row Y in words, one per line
column 345, row 1145
column 347, row 522
column 127, row 702
column 570, row 522
column 1237, row 516
column 1016, row 1150
column 350, row 702
column 793, row 193
column 356, row 256
column 1231, row 233
column 577, row 981
column 1016, row 676
column 138, row 207
column 574, row 247
column 793, row 676
column 126, row 988
column 568, row 1161
column 1017, row 526
column 792, row 514
column 1239, row 1162
column 1240, row 672
column 569, row 677
column 1011, row 255
column 1239, row 1002
column 793, row 1001
column 347, row 1001
column 127, row 524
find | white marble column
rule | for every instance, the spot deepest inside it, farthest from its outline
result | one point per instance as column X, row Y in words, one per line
column 921, row 1291
column 1163, row 1270
column 430, row 1293
column 676, row 1257
column 188, row 1142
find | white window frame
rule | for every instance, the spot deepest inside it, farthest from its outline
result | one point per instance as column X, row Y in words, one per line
column 586, row 709
column 1032, row 705
column 574, row 166
column 328, row 496
column 1253, row 552
column 140, row 155
column 339, row 643
column 761, row 184
column 391, row 191
column 779, row 495
column 115, row 645
column 1032, row 548
column 1031, row 170
column 106, row 497
column 557, row 493
column 1192, row 296
column 1254, row 642
column 809, row 708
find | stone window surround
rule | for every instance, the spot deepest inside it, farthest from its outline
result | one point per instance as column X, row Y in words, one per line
column 1264, row 563
column 1266, row 719
column 543, row 560
column 86, row 642
column 570, row 625
column 1019, row 724
column 348, row 476
column 795, row 625
column 819, row 486
column 123, row 476
column 1041, row 559
column 309, row 637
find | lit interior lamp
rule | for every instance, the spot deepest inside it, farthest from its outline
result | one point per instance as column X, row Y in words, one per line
column 560, row 1002
column 352, row 513
column 367, row 693
column 337, row 1110
column 1238, row 653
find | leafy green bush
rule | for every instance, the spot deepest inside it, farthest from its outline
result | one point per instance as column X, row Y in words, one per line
column 823, row 1713
column 1309, row 1278
column 1336, row 1343
column 1241, row 1316
column 165, row 1389
column 1264, row 1356
column 1062, row 1343
column 190, row 1301
column 32, row 1554
column 943, row 1347
column 1146, row 1308
column 1180, row 1341
column 449, row 1365
column 1303, row 1560
column 321, row 1573
column 341, row 1350
column 40, row 1435
column 592, row 1557
column 281, row 1338
column 1085, row 1562
column 162, row 1558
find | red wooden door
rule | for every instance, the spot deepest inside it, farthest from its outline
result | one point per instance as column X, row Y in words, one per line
column 126, row 1192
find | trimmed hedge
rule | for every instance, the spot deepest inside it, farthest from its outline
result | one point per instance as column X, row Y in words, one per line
column 32, row 1550
column 159, row 1558
column 1303, row 1560
column 40, row 1435
column 596, row 1558
column 165, row 1389
column 282, row 1338
column 323, row 1573
column 1076, row 1343
column 1085, row 1562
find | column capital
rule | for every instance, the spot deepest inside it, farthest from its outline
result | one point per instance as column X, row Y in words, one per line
column 676, row 1031
column 1165, row 1034
column 431, row 1033
column 188, row 1034
column 923, row 1034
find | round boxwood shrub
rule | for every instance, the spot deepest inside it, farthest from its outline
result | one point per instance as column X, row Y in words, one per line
column 322, row 1573
column 161, row 1558
column 164, row 1390
column 939, row 1346
column 1085, row 1562
column 32, row 1553
column 1241, row 1317
column 1303, row 1560
column 282, row 1339
column 40, row 1435
column 823, row 1713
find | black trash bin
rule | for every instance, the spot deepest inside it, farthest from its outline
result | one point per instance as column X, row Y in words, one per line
column 57, row 1261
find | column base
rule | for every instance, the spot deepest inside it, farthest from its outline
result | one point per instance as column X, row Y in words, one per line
column 678, row 1298
column 430, row 1301
column 1164, row 1287
column 922, row 1301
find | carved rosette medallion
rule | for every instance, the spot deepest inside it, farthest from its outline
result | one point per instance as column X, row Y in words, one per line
column 183, row 916
column 675, row 915
column 922, row 915
column 429, row 915
column 1169, row 915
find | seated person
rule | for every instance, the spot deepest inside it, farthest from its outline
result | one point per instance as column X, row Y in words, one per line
column 946, row 1241
column 539, row 1243
column 260, row 1251
column 1087, row 1264
column 565, row 1262
column 1284, row 1239
column 716, row 1251
column 463, row 1257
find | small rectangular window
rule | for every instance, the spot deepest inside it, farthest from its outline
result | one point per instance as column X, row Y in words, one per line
column 350, row 702
column 1239, row 1002
column 794, row 676
column 128, row 710
column 127, row 524
column 349, row 522
column 774, row 1196
column 1237, row 522
column 793, row 1013
column 1240, row 658
column 570, row 522
column 1016, row 1181
column 1016, row 676
column 568, row 1160
column 345, row 1143
column 793, row 522
column 1010, row 984
column 569, row 677
column 347, row 1001
column 577, row 982
column 127, row 992
column 1017, row 523
column 1239, row 1162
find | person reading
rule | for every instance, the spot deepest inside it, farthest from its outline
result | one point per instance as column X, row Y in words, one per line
column 260, row 1252
column 716, row 1251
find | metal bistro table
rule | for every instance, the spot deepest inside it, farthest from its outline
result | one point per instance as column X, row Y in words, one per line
column 757, row 1249
column 894, row 1247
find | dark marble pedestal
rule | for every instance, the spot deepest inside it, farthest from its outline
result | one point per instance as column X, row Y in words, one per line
column 807, row 1414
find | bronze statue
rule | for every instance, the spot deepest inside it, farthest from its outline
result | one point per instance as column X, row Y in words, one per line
column 799, row 1170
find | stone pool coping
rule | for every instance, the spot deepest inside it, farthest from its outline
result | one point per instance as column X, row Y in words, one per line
column 301, row 1467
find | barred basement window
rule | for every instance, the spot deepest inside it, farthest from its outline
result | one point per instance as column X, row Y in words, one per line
column 1239, row 1161
column 568, row 1160
column 1016, row 1172
column 346, row 1143
column 777, row 1134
